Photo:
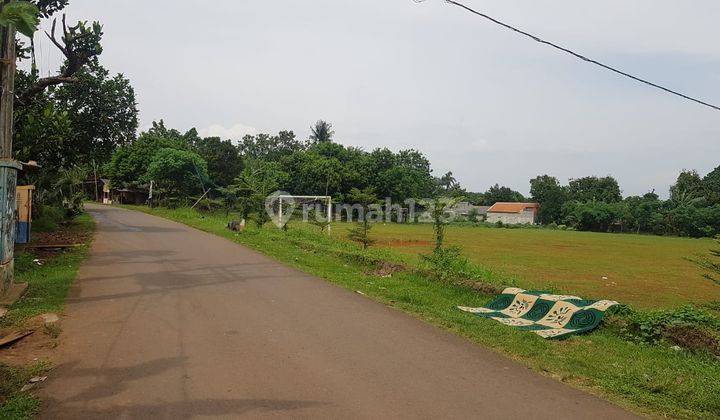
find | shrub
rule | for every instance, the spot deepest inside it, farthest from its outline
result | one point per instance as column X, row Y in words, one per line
column 448, row 263
column 688, row 327
column 48, row 218
column 209, row 205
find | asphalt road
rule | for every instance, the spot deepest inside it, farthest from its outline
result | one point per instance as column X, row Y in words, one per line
column 168, row 322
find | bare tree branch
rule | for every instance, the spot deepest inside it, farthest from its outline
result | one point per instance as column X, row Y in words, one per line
column 79, row 44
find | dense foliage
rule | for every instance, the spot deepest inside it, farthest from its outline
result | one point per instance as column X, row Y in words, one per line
column 307, row 167
column 72, row 121
column 596, row 204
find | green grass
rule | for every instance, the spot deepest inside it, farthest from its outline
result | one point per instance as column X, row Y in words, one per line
column 641, row 270
column 646, row 378
column 13, row 403
column 48, row 286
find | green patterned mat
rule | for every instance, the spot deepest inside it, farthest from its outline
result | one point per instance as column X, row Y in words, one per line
column 549, row 316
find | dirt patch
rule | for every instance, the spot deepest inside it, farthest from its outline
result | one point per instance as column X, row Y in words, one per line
column 386, row 269
column 41, row 242
column 37, row 346
column 484, row 288
column 693, row 338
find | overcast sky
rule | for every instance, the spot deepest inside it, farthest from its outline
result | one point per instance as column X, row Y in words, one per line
column 483, row 102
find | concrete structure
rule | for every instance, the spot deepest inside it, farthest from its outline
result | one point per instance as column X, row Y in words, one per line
column 513, row 213
column 464, row 209
column 23, row 199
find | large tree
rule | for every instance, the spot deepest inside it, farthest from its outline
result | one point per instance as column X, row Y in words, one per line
column 688, row 188
column 177, row 173
column 223, row 159
column 547, row 191
column 129, row 164
column 102, row 110
column 711, row 182
column 80, row 44
column 270, row 147
column 592, row 188
column 496, row 194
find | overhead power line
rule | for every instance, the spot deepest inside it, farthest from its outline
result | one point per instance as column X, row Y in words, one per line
column 580, row 56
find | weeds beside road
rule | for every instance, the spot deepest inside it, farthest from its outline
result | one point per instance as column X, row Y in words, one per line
column 49, row 279
column 649, row 378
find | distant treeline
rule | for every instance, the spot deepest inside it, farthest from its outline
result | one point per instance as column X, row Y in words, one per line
column 185, row 165
column 596, row 204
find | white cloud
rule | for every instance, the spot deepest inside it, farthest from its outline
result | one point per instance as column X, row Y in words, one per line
column 235, row 133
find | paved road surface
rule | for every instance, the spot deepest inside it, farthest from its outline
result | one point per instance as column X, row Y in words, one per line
column 169, row 322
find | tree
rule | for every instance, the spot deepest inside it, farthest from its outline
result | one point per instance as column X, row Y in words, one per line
column 223, row 159
column 596, row 216
column 321, row 132
column 22, row 15
column 498, row 194
column 80, row 44
column 229, row 198
column 271, row 148
column 547, row 191
column 366, row 199
column 68, row 185
column 178, row 173
column 589, row 188
column 129, row 164
column 438, row 209
column 448, row 181
column 644, row 214
column 313, row 174
column 102, row 111
column 688, row 188
column 255, row 183
column 711, row 184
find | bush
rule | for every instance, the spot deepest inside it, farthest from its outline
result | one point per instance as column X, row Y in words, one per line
column 448, row 263
column 48, row 218
column 687, row 327
column 209, row 205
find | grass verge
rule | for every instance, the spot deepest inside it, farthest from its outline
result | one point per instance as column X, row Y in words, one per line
column 48, row 286
column 651, row 379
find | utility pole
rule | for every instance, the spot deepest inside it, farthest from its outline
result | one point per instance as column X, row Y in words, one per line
column 97, row 194
column 8, row 167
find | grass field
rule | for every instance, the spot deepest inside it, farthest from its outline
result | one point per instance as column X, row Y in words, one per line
column 650, row 379
column 640, row 270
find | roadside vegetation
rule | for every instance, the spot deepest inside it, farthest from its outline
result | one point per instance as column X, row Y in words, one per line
column 661, row 362
column 49, row 274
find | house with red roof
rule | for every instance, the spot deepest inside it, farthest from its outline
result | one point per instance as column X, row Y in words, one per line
column 513, row 213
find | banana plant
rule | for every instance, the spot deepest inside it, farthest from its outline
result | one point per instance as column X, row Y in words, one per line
column 22, row 15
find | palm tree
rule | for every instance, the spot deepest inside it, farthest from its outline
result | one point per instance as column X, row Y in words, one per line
column 321, row 132
column 448, row 181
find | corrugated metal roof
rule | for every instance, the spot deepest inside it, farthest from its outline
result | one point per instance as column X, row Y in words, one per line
column 512, row 207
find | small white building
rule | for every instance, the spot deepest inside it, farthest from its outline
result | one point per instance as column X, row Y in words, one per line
column 513, row 213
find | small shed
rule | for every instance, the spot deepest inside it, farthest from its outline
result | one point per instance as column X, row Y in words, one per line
column 513, row 213
column 23, row 197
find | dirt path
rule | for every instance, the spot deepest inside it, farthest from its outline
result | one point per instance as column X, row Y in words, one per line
column 169, row 322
